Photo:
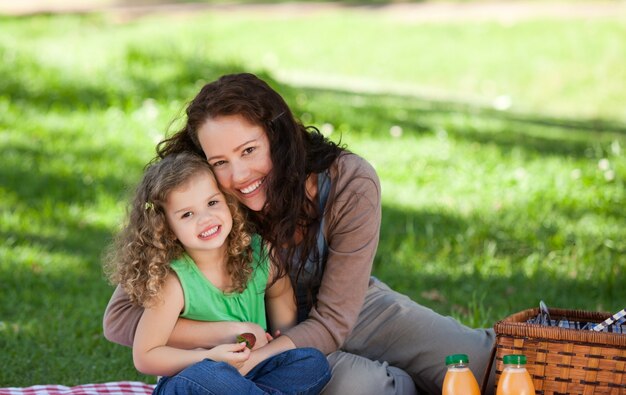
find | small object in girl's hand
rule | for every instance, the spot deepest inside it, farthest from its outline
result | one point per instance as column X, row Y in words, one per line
column 247, row 337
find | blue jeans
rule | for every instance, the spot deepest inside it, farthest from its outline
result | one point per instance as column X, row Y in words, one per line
column 297, row 371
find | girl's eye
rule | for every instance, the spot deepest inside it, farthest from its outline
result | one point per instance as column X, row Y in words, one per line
column 186, row 215
column 213, row 202
column 248, row 150
column 218, row 163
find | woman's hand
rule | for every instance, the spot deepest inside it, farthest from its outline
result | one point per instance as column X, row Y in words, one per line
column 254, row 355
column 269, row 337
column 246, row 366
column 276, row 346
column 235, row 354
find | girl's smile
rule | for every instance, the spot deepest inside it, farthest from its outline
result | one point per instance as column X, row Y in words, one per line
column 198, row 215
column 210, row 232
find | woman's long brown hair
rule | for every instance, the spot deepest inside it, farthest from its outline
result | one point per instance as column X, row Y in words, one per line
column 296, row 152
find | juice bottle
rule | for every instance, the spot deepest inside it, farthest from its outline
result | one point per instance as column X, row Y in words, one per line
column 459, row 378
column 515, row 379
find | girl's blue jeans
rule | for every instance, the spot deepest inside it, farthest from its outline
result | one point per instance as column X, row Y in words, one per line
column 297, row 371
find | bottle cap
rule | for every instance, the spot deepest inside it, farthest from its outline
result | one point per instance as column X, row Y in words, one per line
column 457, row 358
column 516, row 359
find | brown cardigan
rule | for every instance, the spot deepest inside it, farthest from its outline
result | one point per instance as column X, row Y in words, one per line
column 353, row 217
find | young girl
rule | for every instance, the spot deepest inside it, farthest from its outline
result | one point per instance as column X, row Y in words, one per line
column 183, row 253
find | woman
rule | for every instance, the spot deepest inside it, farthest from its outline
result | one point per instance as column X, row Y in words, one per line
column 318, row 207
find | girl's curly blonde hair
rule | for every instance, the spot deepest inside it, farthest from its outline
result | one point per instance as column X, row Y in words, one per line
column 140, row 256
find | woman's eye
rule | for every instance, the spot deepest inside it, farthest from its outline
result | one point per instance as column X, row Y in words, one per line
column 248, row 150
column 218, row 163
column 213, row 202
column 186, row 215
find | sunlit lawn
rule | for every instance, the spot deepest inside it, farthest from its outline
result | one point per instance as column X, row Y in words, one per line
column 485, row 211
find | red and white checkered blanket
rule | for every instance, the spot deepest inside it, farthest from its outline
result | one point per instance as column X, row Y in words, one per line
column 112, row 388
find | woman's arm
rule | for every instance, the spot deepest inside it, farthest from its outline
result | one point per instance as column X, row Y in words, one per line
column 276, row 346
column 280, row 302
column 281, row 308
column 121, row 318
column 353, row 215
column 153, row 356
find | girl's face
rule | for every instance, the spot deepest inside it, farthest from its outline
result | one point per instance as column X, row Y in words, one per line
column 239, row 153
column 198, row 214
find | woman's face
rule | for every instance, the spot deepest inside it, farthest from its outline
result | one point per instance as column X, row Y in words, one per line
column 239, row 153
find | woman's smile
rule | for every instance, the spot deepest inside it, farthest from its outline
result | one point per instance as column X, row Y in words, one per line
column 239, row 154
column 252, row 187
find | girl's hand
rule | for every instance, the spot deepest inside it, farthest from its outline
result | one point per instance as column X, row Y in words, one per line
column 235, row 354
column 257, row 331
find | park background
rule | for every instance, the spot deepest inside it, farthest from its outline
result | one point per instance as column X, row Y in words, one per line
column 498, row 131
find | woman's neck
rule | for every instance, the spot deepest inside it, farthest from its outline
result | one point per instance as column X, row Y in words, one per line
column 311, row 191
column 311, row 194
column 311, row 186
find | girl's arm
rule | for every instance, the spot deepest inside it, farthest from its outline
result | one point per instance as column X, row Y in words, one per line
column 121, row 318
column 153, row 356
column 190, row 334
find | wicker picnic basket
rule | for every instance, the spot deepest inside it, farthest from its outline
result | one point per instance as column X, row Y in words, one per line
column 564, row 361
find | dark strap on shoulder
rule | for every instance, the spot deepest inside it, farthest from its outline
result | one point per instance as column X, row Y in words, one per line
column 323, row 190
column 310, row 278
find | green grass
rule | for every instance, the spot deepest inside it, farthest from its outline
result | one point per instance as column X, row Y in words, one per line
column 485, row 212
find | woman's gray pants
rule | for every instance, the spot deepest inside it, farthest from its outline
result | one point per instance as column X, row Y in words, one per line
column 399, row 347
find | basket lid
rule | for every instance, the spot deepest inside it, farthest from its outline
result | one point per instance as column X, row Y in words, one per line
column 516, row 325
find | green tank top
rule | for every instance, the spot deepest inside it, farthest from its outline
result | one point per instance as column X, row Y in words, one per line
column 206, row 302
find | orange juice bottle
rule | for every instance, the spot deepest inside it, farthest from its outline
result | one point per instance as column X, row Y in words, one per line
column 515, row 379
column 459, row 379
